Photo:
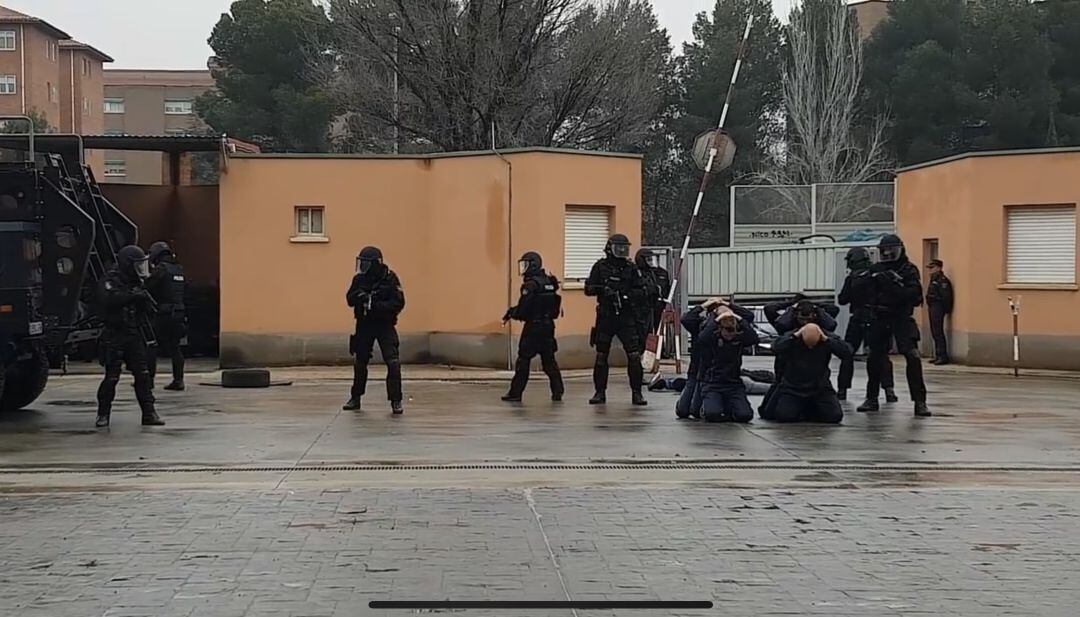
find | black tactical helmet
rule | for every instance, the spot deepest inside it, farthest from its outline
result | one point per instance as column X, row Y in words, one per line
column 857, row 256
column 644, row 258
column 618, row 246
column 891, row 248
column 530, row 262
column 133, row 262
column 369, row 257
column 159, row 250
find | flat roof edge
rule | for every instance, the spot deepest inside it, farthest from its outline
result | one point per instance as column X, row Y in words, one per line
column 989, row 153
column 434, row 155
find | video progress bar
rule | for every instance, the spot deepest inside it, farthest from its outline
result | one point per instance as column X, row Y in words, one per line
column 582, row 605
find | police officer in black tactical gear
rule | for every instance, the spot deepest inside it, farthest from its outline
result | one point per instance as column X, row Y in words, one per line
column 897, row 291
column 377, row 299
column 538, row 308
column 127, row 309
column 166, row 284
column 939, row 303
column 657, row 285
column 858, row 293
column 619, row 289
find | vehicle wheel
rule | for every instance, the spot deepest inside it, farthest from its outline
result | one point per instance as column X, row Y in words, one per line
column 25, row 380
column 245, row 378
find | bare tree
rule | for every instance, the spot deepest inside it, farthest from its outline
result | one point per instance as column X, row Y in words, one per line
column 541, row 72
column 829, row 141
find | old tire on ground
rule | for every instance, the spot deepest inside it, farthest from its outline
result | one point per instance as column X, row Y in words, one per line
column 245, row 378
column 25, row 380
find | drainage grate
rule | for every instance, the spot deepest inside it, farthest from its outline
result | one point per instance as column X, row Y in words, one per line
column 525, row 467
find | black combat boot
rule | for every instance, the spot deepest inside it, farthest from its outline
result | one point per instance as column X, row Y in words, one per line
column 352, row 405
column 556, row 397
column 175, row 386
column 396, row 407
column 890, row 396
column 922, row 410
column 598, row 399
column 638, row 399
column 512, row 398
column 102, row 420
column 841, row 394
column 150, row 418
column 871, row 404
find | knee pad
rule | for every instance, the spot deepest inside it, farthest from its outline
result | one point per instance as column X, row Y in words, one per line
column 601, row 358
column 634, row 358
column 393, row 365
column 913, row 356
column 110, row 381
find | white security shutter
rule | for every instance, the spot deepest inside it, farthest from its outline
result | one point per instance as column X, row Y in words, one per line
column 587, row 229
column 1042, row 245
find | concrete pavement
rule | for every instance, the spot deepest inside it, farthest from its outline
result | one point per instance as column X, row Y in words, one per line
column 274, row 503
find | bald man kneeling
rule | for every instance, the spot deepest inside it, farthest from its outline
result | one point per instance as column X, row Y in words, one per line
column 806, row 393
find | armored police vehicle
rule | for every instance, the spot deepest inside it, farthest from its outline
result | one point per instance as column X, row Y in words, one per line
column 58, row 236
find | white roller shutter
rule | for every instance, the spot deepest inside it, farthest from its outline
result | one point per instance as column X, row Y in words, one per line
column 586, row 232
column 1042, row 245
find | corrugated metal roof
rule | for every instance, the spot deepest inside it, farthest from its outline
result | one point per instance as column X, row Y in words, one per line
column 52, row 142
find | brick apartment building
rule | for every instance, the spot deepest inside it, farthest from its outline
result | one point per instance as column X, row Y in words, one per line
column 43, row 71
column 139, row 102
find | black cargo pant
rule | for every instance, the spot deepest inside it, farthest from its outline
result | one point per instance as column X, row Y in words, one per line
column 362, row 346
column 725, row 402
column 626, row 328
column 116, row 352
column 537, row 339
column 937, row 330
column 170, row 329
column 789, row 406
column 883, row 330
column 858, row 333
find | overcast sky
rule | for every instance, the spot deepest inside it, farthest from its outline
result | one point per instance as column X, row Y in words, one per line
column 166, row 34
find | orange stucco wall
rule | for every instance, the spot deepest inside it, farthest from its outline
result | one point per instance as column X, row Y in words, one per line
column 445, row 227
column 962, row 204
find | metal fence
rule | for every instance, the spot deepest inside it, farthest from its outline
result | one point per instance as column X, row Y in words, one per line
column 763, row 272
column 768, row 215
